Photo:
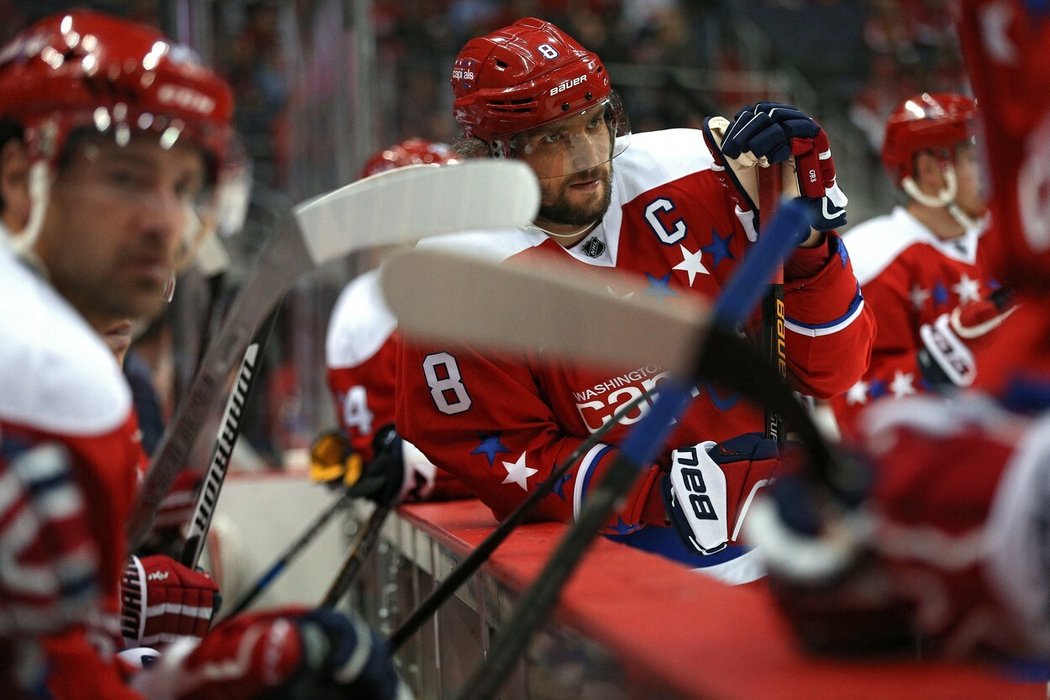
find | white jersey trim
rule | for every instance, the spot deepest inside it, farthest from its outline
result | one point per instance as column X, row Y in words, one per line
column 874, row 244
column 58, row 374
column 360, row 323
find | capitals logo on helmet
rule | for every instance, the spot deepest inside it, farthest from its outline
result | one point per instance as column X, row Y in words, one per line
column 523, row 76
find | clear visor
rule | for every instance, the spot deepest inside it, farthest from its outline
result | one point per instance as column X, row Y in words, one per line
column 583, row 141
column 160, row 175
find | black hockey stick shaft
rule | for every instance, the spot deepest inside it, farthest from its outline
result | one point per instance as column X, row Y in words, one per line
column 480, row 554
column 773, row 329
column 290, row 554
column 225, row 441
column 354, row 562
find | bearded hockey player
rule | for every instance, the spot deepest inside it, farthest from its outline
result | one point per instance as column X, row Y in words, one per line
column 670, row 208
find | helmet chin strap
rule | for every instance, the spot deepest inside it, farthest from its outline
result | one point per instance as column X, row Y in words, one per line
column 945, row 198
column 39, row 194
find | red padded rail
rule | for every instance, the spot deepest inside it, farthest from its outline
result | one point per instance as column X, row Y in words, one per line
column 692, row 635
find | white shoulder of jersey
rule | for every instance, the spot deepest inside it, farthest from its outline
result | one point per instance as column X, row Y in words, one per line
column 360, row 323
column 496, row 244
column 57, row 374
column 874, row 244
column 657, row 157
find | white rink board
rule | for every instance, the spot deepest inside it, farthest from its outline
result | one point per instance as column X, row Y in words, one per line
column 258, row 517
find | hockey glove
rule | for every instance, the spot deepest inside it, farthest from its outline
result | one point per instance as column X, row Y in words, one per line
column 397, row 473
column 771, row 132
column 333, row 460
column 319, row 654
column 947, row 358
column 162, row 601
column 710, row 488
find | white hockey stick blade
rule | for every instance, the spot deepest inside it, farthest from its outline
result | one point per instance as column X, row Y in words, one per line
column 558, row 309
column 395, row 207
column 385, row 208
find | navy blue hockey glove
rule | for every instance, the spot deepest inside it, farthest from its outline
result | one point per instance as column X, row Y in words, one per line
column 711, row 485
column 771, row 132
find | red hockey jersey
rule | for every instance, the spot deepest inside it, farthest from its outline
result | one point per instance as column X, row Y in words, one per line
column 909, row 277
column 502, row 424
column 61, row 385
column 360, row 354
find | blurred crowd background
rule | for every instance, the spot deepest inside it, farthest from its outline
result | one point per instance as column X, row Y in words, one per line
column 322, row 84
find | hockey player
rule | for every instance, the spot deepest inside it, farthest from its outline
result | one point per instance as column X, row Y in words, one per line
column 361, row 350
column 670, row 208
column 947, row 541
column 125, row 134
column 922, row 267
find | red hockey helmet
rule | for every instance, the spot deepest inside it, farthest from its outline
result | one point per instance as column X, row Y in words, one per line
column 409, row 152
column 82, row 70
column 526, row 75
column 925, row 122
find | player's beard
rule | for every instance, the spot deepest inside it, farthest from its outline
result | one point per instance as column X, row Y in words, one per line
column 563, row 210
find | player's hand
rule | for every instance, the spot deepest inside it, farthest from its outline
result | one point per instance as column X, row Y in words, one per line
column 947, row 358
column 771, row 132
column 162, row 601
column 289, row 653
column 397, row 473
column 710, row 485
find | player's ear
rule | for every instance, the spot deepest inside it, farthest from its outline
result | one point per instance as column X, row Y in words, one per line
column 14, row 184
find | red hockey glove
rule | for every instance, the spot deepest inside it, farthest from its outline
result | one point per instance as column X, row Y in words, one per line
column 319, row 654
column 947, row 357
column 922, row 556
column 397, row 473
column 162, row 600
column 711, row 486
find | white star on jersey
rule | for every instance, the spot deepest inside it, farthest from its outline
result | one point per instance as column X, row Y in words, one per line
column 518, row 473
column 967, row 289
column 857, row 394
column 691, row 263
column 902, row 384
column 919, row 296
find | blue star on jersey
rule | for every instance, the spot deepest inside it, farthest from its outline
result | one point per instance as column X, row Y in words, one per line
column 490, row 446
column 940, row 295
column 718, row 248
column 660, row 287
column 559, row 486
column 842, row 252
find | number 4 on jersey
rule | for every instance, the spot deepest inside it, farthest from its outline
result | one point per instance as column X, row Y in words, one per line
column 356, row 413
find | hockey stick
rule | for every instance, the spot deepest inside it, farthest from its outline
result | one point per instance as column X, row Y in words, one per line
column 381, row 210
column 287, row 557
column 480, row 554
column 643, row 442
column 367, row 539
column 225, row 441
column 773, row 330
